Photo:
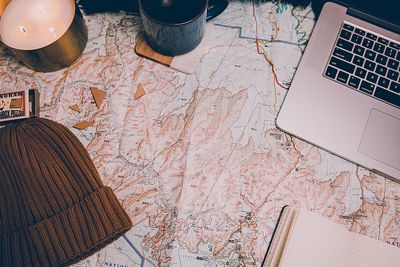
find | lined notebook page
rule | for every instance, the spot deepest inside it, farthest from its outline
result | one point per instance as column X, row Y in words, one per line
column 316, row 241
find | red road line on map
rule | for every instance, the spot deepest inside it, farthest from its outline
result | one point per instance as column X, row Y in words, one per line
column 264, row 55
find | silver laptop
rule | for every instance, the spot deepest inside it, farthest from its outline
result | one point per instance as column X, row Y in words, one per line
column 345, row 96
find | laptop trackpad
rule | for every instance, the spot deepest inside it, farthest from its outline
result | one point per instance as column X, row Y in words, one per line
column 381, row 139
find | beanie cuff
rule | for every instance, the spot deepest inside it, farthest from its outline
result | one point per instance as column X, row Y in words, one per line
column 71, row 235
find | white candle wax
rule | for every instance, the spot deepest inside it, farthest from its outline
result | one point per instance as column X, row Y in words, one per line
column 34, row 24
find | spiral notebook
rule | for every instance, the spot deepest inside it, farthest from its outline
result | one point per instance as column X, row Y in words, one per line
column 304, row 239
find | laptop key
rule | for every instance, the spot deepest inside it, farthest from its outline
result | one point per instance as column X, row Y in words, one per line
column 379, row 48
column 356, row 39
column 367, row 43
column 398, row 56
column 359, row 50
column 345, row 34
column 383, row 82
column 343, row 65
column 393, row 64
column 387, row 96
column 370, row 54
column 340, row 53
column 381, row 59
column 331, row 72
column 342, row 77
column 383, row 41
column 344, row 44
column 372, row 36
column 367, row 87
column 360, row 32
column 372, row 77
column 348, row 27
column 394, row 45
column 369, row 65
column 393, row 75
column 359, row 61
column 395, row 87
column 360, row 73
column 381, row 70
column 390, row 52
column 354, row 82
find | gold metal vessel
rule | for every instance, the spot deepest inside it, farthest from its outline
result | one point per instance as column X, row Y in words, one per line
column 59, row 54
column 3, row 4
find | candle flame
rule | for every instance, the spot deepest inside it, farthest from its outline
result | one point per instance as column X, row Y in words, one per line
column 23, row 30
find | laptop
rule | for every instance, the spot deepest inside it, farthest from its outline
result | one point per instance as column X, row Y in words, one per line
column 345, row 96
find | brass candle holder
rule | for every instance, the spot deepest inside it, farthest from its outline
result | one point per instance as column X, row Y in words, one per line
column 44, row 35
column 3, row 4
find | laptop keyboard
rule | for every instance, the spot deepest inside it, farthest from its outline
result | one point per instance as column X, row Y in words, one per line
column 366, row 62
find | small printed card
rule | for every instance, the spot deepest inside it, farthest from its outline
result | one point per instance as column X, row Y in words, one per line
column 18, row 105
column 13, row 105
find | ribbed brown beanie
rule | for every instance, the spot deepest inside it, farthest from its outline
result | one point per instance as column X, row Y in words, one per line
column 54, row 209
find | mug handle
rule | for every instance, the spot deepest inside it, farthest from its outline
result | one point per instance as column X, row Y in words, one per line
column 216, row 7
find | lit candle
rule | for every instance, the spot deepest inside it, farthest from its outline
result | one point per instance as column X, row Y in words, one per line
column 36, row 30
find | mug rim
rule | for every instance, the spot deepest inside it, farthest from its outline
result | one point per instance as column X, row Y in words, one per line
column 172, row 24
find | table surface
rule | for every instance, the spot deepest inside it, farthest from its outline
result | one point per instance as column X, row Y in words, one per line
column 197, row 160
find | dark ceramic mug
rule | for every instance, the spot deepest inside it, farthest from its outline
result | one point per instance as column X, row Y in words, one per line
column 176, row 27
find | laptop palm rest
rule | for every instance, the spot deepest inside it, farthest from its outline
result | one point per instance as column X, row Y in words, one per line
column 381, row 139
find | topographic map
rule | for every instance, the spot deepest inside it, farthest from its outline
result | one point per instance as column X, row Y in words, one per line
column 197, row 161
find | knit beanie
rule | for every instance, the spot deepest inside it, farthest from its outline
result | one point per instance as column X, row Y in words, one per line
column 54, row 209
